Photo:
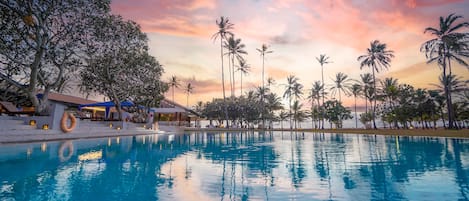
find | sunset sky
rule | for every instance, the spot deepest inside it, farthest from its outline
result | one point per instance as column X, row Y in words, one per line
column 297, row 31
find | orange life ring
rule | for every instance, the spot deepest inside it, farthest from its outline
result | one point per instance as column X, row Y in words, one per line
column 63, row 122
column 69, row 146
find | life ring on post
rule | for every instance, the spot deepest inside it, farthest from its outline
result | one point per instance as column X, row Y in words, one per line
column 63, row 122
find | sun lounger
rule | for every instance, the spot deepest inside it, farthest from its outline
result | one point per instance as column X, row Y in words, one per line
column 11, row 109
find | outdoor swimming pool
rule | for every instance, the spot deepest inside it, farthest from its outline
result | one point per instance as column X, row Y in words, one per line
column 238, row 166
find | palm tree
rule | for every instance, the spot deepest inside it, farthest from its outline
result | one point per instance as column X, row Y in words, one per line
column 323, row 59
column 314, row 94
column 235, row 49
column 289, row 88
column 317, row 90
column 356, row 90
column 298, row 114
column 376, row 58
column 261, row 93
column 297, row 91
column 243, row 68
column 282, row 117
column 224, row 27
column 270, row 82
column 174, row 83
column 448, row 45
column 263, row 51
column 273, row 104
column 390, row 90
column 189, row 89
column 341, row 84
column 367, row 81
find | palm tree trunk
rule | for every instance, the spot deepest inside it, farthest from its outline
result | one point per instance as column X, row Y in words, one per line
column 229, row 71
column 366, row 101
column 233, row 70
column 312, row 113
column 223, row 82
column 374, row 98
column 263, row 88
column 289, row 102
column 449, row 102
column 241, row 75
column 322, row 111
column 173, row 93
column 319, row 119
column 356, row 120
column 443, row 117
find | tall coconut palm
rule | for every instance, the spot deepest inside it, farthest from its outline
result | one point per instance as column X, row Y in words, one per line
column 243, row 68
column 314, row 94
column 323, row 59
column 297, row 91
column 356, row 90
column 448, row 45
column 377, row 57
column 342, row 83
column 289, row 88
column 298, row 114
column 273, row 103
column 235, row 50
column 224, row 30
column 367, row 83
column 282, row 116
column 188, row 90
column 174, row 83
column 263, row 51
column 270, row 82
column 317, row 89
column 390, row 91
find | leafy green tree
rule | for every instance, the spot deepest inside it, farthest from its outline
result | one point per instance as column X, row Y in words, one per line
column 224, row 30
column 335, row 113
column 144, row 84
column 118, row 63
column 42, row 41
column 376, row 58
column 448, row 45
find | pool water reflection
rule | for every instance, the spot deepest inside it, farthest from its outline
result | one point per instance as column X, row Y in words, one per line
column 238, row 166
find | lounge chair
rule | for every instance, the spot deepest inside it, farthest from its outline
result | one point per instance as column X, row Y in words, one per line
column 11, row 109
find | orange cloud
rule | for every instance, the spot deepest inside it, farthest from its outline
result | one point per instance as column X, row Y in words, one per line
column 422, row 75
column 177, row 17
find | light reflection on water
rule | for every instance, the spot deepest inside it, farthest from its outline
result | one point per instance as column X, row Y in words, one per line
column 238, row 166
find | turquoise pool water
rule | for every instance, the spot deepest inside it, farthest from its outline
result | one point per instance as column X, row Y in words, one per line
column 238, row 166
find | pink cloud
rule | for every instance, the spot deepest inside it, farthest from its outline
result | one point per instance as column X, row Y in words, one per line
column 172, row 17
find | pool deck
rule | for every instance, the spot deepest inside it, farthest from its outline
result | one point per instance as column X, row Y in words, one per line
column 14, row 131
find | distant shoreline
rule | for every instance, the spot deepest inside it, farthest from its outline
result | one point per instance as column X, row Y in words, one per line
column 463, row 133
